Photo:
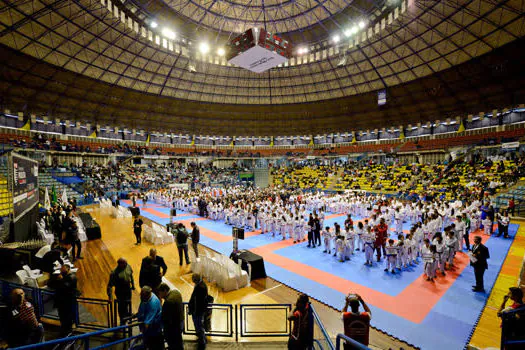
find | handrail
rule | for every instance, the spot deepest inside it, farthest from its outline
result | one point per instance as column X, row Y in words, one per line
column 77, row 337
column 354, row 345
column 323, row 329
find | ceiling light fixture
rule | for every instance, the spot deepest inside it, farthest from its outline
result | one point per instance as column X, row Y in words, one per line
column 153, row 24
column 168, row 33
column 336, row 38
column 204, row 48
column 221, row 52
column 362, row 24
column 347, row 32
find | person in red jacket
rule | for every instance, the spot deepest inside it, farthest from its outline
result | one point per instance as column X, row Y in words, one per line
column 381, row 237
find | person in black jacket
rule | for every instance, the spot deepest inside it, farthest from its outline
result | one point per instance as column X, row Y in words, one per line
column 479, row 256
column 137, row 229
column 317, row 230
column 311, row 228
column 150, row 274
column 195, row 238
column 197, row 308
column 49, row 258
column 66, row 299
column 182, row 242
column 158, row 260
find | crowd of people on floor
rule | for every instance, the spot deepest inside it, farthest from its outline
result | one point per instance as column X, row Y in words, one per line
column 439, row 228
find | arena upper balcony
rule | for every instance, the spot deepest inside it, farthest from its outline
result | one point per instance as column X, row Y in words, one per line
column 45, row 134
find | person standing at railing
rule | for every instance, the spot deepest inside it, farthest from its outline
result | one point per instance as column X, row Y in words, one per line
column 172, row 316
column 356, row 324
column 66, row 293
column 301, row 337
column 150, row 314
column 122, row 279
column 197, row 308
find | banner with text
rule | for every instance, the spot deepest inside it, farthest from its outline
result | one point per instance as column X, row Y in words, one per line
column 25, row 185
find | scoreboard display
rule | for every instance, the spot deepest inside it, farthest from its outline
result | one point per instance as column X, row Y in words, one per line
column 258, row 50
column 25, row 185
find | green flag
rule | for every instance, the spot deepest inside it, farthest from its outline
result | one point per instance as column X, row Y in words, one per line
column 53, row 195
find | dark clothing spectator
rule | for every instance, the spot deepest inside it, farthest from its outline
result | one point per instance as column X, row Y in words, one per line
column 301, row 337
column 173, row 319
column 149, row 273
column 197, row 308
column 49, row 258
column 66, row 293
column 182, row 243
column 137, row 229
column 480, row 254
column 122, row 279
column 195, row 238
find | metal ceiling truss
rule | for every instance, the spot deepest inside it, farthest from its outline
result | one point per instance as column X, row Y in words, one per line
column 81, row 36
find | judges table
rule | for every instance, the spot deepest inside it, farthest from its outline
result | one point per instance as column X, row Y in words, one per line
column 256, row 261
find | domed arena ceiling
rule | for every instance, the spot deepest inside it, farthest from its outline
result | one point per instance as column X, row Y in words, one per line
column 398, row 41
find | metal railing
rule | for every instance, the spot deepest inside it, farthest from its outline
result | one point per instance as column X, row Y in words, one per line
column 221, row 323
column 277, row 310
column 342, row 341
column 43, row 301
column 85, row 338
column 321, row 336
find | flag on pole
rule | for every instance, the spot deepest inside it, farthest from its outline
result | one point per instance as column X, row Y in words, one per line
column 53, row 195
column 461, row 127
column 402, row 134
column 271, row 141
column 64, row 196
column 47, row 202
column 27, row 126
column 354, row 140
column 93, row 134
column 147, row 140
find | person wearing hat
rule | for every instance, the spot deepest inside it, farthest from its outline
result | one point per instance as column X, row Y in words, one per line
column 356, row 324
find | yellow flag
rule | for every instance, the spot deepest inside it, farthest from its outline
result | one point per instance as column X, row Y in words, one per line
column 354, row 140
column 27, row 126
column 233, row 140
column 271, row 141
column 147, row 139
column 401, row 134
column 192, row 140
column 461, row 127
column 311, row 141
column 93, row 135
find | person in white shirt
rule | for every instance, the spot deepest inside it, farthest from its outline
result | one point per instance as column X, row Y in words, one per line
column 427, row 252
column 349, row 242
column 450, row 248
column 369, row 238
column 440, row 251
column 327, row 238
column 391, row 256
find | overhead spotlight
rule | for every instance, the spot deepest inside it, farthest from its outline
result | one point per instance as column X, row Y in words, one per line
column 168, row 33
column 153, row 25
column 221, row 52
column 347, row 32
column 336, row 38
column 302, row 50
column 204, row 48
column 362, row 24
column 354, row 29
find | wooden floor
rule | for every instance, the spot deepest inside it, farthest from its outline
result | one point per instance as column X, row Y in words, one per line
column 488, row 331
column 117, row 241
